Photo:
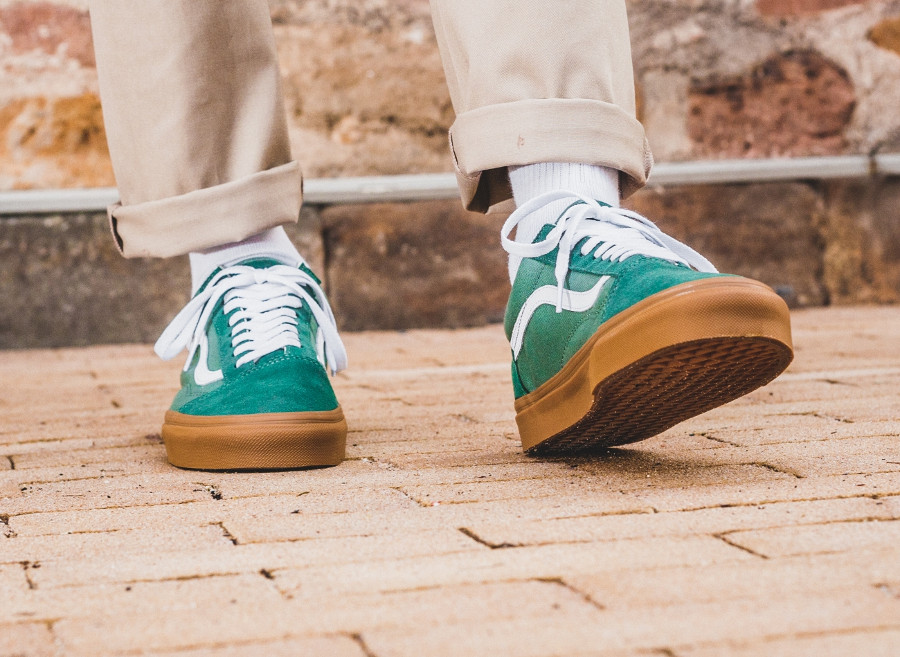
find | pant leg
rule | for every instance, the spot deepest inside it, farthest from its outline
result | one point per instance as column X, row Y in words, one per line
column 538, row 81
column 195, row 122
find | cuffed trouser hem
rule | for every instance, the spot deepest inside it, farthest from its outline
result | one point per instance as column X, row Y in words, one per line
column 208, row 217
column 486, row 140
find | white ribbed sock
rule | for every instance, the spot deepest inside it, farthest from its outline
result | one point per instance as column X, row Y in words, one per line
column 598, row 183
column 273, row 243
column 532, row 180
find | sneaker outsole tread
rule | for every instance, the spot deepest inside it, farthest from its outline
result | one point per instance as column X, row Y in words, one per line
column 674, row 355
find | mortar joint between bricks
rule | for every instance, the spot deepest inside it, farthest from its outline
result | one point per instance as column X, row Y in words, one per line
column 357, row 638
column 559, row 581
column 478, row 539
column 724, row 538
column 28, row 566
column 7, row 531
column 716, row 439
column 225, row 532
column 664, row 652
column 775, row 468
column 888, row 589
column 412, row 499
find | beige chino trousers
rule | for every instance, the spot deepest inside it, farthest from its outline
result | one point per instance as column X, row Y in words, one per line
column 198, row 136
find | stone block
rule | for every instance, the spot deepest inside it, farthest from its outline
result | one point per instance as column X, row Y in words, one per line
column 664, row 95
column 364, row 87
column 887, row 34
column 50, row 27
column 861, row 232
column 797, row 103
column 64, row 283
column 768, row 232
column 48, row 142
column 398, row 266
column 886, row 233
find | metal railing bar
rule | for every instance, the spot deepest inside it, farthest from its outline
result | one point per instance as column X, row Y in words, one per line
column 434, row 186
column 887, row 164
column 741, row 171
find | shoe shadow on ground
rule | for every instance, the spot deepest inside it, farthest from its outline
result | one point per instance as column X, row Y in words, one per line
column 633, row 466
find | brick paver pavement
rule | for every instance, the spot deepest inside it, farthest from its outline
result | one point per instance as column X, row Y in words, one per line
column 770, row 526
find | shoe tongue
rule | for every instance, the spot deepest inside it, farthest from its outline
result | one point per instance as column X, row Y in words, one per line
column 260, row 263
column 264, row 262
column 255, row 263
column 540, row 233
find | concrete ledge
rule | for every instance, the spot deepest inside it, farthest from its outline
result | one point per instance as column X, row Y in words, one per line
column 431, row 264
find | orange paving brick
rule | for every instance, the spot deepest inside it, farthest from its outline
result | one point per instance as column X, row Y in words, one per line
column 871, row 643
column 134, row 599
column 655, row 629
column 88, row 545
column 820, row 538
column 231, row 559
column 162, row 516
column 26, row 639
column 551, row 561
column 336, row 646
column 766, row 527
column 410, row 610
column 763, row 579
column 715, row 521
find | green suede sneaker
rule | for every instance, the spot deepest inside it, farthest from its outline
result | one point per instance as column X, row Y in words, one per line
column 254, row 392
column 619, row 332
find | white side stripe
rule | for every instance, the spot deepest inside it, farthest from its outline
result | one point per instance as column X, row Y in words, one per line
column 547, row 296
column 202, row 374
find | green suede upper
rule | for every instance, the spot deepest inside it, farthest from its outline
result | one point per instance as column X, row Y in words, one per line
column 552, row 338
column 289, row 380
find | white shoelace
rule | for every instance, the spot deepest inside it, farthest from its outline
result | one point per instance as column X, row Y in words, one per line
column 265, row 317
column 613, row 234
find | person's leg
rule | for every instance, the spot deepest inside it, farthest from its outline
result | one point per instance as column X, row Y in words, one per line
column 195, row 123
column 198, row 138
column 618, row 331
column 538, row 81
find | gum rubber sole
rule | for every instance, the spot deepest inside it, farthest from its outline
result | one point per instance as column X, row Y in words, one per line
column 271, row 441
column 674, row 355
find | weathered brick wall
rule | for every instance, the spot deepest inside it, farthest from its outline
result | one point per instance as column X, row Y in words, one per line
column 365, row 91
column 741, row 78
